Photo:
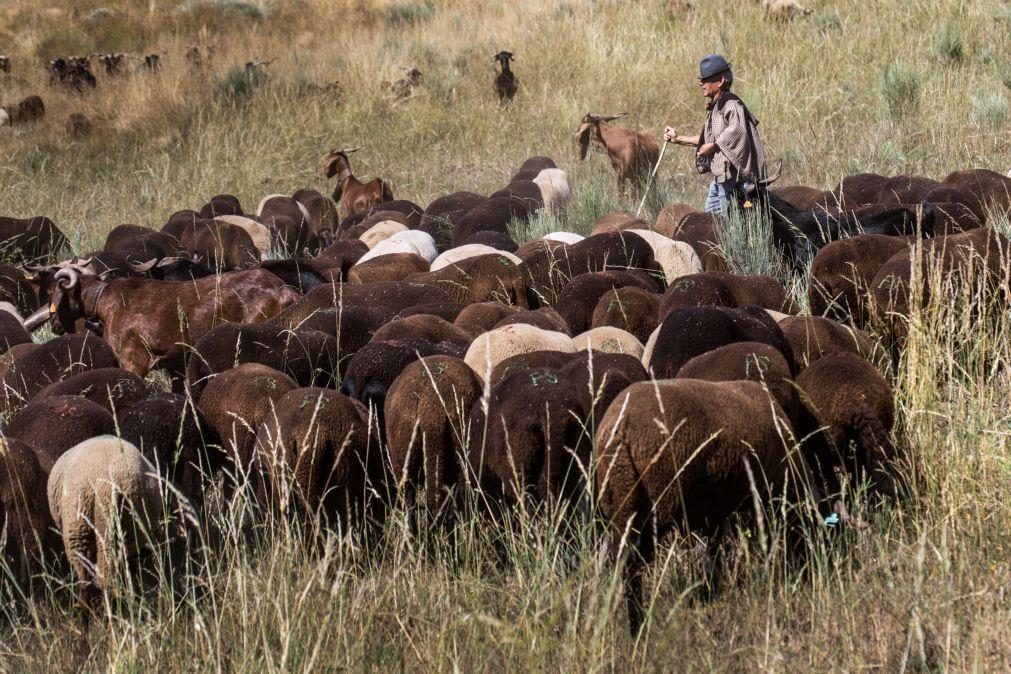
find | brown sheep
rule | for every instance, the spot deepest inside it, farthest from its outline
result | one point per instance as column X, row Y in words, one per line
column 440, row 217
column 113, row 388
column 318, row 457
column 670, row 217
column 726, row 290
column 682, row 452
column 479, row 279
column 846, row 401
column 842, row 271
column 12, row 332
column 544, row 318
column 448, row 311
column 221, row 204
column 702, row 231
column 492, row 214
column 859, row 189
column 748, row 361
column 426, row 415
column 804, row 198
column 422, row 326
column 496, row 240
column 483, row 316
column 29, row 539
column 985, row 190
column 531, row 360
column 235, row 403
column 632, row 153
column 814, row 337
column 34, row 240
column 17, row 289
column 54, row 424
column 387, row 296
column 692, row 331
column 579, row 297
column 392, row 267
column 616, row 222
column 630, row 308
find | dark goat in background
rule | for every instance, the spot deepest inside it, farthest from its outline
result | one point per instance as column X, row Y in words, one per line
column 506, row 83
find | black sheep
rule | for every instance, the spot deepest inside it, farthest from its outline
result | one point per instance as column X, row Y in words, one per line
column 54, row 424
column 630, row 308
column 29, row 536
column 579, row 297
column 726, row 290
column 113, row 388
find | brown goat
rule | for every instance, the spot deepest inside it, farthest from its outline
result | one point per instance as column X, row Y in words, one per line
column 632, row 153
column 352, row 195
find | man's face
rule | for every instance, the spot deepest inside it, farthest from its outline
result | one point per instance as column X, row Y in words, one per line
column 711, row 85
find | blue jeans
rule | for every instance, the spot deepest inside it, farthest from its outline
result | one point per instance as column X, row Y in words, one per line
column 718, row 197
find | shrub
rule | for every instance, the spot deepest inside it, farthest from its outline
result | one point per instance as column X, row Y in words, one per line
column 238, row 84
column 989, row 110
column 409, row 13
column 948, row 44
column 901, row 90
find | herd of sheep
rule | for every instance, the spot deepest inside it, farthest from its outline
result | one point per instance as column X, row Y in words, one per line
column 330, row 358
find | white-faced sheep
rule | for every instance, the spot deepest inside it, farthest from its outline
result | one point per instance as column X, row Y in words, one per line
column 104, row 498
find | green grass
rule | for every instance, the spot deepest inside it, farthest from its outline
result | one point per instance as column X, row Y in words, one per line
column 855, row 87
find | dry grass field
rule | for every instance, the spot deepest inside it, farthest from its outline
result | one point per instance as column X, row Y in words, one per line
column 890, row 86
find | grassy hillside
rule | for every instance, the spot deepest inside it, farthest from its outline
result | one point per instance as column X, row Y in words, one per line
column 888, row 86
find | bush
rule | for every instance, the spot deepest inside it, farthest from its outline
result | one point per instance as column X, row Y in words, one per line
column 901, row 90
column 989, row 111
column 409, row 13
column 948, row 44
column 239, row 84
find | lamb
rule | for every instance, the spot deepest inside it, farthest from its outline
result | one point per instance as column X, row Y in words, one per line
column 689, row 332
column 318, row 457
column 814, row 337
column 630, row 308
column 682, row 452
column 28, row 539
column 105, row 501
column 54, row 424
column 496, row 345
column 460, row 253
column 847, row 400
column 426, row 425
column 676, row 258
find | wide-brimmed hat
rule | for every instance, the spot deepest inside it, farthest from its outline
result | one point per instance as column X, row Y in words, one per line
column 714, row 64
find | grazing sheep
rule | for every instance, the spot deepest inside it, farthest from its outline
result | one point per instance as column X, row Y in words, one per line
column 858, row 189
column 598, row 378
column 316, row 452
column 59, row 358
column 616, row 222
column 441, row 215
column 725, row 290
column 388, row 296
column 172, row 434
column 223, row 246
column 235, row 403
column 54, row 424
column 532, row 360
column 408, row 212
column 848, row 401
column 985, row 190
column 702, row 231
column 692, row 331
column 380, row 232
column 105, row 501
column 17, row 289
column 494, row 346
column 483, row 316
column 479, row 279
column 390, row 266
column 12, row 331
column 630, row 308
column 676, row 258
column 301, row 273
column 805, row 198
column 632, row 153
column 113, row 388
column 322, row 211
column 491, row 214
column 497, row 240
column 469, row 250
column 555, row 190
column 34, row 240
column 28, row 540
column 608, row 339
column 526, row 191
column 544, row 318
column 78, row 125
column 684, row 453
column 426, row 425
column 445, row 310
column 814, row 337
column 222, row 204
column 748, row 361
column 309, row 357
column 140, row 244
column 670, row 217
column 579, row 297
column 422, row 326
column 506, row 82
column 259, row 233
column 564, row 237
column 842, row 272
column 423, row 243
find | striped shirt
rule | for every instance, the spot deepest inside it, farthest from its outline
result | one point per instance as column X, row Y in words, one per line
column 725, row 125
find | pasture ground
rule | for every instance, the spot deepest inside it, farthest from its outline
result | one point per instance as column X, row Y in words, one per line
column 885, row 86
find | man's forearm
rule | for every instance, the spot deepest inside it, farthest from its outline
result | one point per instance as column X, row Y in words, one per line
column 686, row 140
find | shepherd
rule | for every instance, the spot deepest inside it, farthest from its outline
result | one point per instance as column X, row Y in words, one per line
column 729, row 146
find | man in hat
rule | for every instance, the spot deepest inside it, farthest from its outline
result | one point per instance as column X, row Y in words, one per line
column 729, row 145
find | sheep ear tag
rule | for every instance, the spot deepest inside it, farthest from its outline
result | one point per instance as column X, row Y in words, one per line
column 52, row 308
column 747, row 203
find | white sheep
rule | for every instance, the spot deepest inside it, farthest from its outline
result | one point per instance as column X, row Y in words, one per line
column 422, row 241
column 104, row 499
column 258, row 232
column 609, row 340
column 454, row 255
column 381, row 231
column 388, row 247
column 12, row 310
column 264, row 200
column 676, row 258
column 555, row 191
column 647, row 351
column 565, row 237
column 491, row 348
column 5, row 118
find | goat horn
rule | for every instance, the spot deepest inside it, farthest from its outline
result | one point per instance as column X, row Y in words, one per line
column 143, row 267
column 38, row 269
column 349, row 150
column 611, row 118
column 775, row 174
column 37, row 319
column 68, row 274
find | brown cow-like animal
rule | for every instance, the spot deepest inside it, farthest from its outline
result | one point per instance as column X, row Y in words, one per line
column 632, row 153
column 352, row 195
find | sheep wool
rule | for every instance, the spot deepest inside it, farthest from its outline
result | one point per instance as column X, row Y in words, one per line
column 491, row 348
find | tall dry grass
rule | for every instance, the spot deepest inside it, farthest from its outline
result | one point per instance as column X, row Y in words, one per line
column 924, row 586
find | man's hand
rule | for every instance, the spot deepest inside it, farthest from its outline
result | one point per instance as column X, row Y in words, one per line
column 670, row 135
column 708, row 150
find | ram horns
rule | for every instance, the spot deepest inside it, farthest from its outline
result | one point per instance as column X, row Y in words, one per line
column 37, row 319
column 775, row 174
column 142, row 267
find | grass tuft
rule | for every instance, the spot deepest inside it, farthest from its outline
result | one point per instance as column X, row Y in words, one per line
column 989, row 110
column 900, row 88
column 948, row 44
column 408, row 13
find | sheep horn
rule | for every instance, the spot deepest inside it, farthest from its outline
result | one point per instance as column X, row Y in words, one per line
column 143, row 267
column 39, row 269
column 68, row 274
column 775, row 174
column 37, row 319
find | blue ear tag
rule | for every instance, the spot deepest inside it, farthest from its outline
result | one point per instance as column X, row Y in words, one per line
column 832, row 520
